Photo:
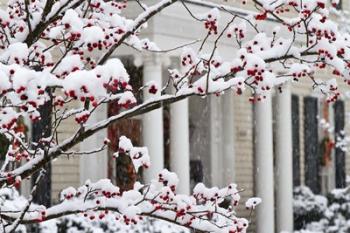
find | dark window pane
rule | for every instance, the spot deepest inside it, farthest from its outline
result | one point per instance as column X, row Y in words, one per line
column 340, row 5
column 296, row 140
column 311, row 145
column 42, row 129
column 196, row 171
column 339, row 153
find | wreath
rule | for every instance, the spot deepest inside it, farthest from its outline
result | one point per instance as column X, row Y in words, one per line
column 327, row 146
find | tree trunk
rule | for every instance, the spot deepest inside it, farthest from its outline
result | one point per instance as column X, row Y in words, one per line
column 42, row 129
column 126, row 173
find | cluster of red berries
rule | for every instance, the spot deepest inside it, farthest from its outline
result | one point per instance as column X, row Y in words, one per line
column 321, row 5
column 305, row 12
column 238, row 229
column 165, row 182
column 336, row 72
column 74, row 36
column 145, row 45
column 181, row 212
column 17, row 183
column 238, row 32
column 4, row 23
column 334, row 97
column 187, row 60
column 299, row 74
column 109, row 194
column 320, row 65
column 82, row 118
column 9, row 123
column 120, row 5
column 42, row 216
column 325, row 54
column 330, row 35
column 59, row 101
column 215, row 63
column 34, row 117
column 334, row 3
column 12, row 180
column 341, row 52
column 129, row 221
column 68, row 196
column 261, row 16
column 211, row 24
column 19, row 61
column 95, row 45
column 200, row 90
column 115, row 85
column 153, row 89
column 127, row 104
column 293, row 3
column 256, row 73
column 282, row 10
column 256, row 98
column 18, row 156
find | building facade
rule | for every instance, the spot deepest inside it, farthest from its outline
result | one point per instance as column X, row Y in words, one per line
column 266, row 148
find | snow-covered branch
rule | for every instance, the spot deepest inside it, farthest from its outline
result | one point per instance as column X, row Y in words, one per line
column 201, row 211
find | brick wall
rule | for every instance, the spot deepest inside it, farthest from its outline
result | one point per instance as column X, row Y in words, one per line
column 244, row 162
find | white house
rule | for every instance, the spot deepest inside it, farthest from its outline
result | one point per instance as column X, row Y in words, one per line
column 266, row 148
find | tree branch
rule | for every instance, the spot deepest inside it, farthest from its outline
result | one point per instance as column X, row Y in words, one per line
column 12, row 228
column 139, row 21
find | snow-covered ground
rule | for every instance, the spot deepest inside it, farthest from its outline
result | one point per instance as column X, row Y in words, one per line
column 321, row 214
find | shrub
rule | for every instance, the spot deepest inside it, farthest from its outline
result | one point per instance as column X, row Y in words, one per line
column 319, row 214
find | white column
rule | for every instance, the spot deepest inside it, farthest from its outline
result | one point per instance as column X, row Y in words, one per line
column 284, row 161
column 94, row 166
column 222, row 140
column 216, row 141
column 26, row 184
column 152, row 122
column 264, row 165
column 228, row 131
column 180, row 144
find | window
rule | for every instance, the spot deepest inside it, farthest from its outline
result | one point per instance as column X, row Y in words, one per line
column 296, row 140
column 121, row 170
column 324, row 164
column 41, row 129
column 339, row 123
column 326, row 146
column 340, row 5
column 311, row 145
column 196, row 172
column 4, row 142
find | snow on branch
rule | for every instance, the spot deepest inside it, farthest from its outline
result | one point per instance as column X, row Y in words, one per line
column 201, row 211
